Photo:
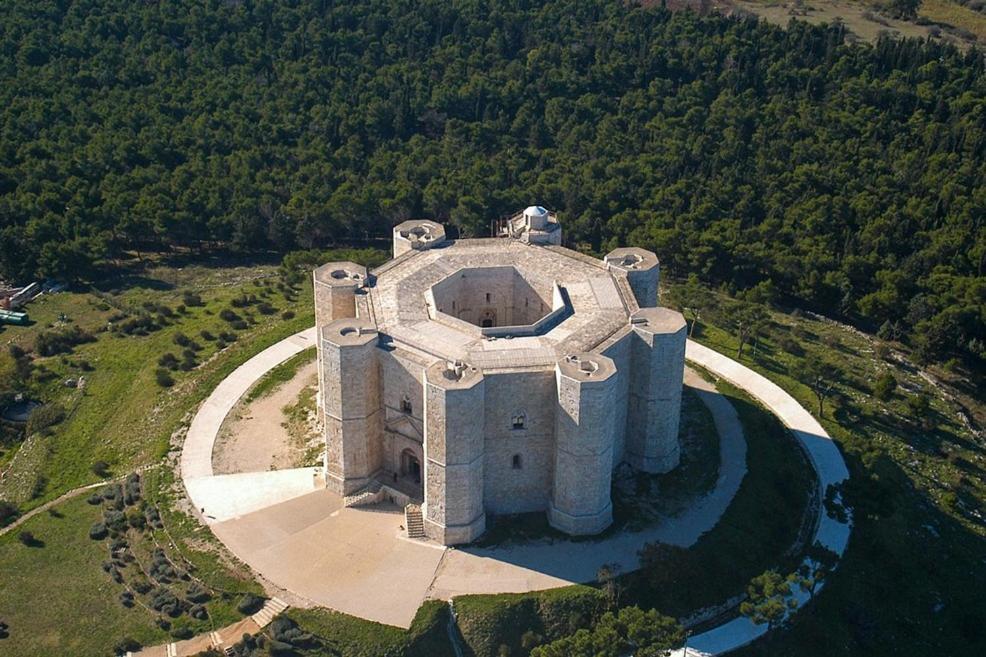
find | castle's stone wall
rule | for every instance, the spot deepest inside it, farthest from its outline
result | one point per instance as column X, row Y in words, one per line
column 454, row 417
column 352, row 415
column 584, row 427
column 500, row 294
column 531, row 396
column 658, row 355
column 619, row 351
column 483, row 422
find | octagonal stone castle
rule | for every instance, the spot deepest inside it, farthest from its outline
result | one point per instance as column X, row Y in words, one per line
column 496, row 376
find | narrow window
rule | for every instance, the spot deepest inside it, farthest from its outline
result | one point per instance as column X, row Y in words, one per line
column 516, row 461
column 453, row 304
column 406, row 404
column 487, row 297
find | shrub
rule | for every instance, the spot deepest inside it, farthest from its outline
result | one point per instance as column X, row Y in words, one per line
column 191, row 299
column 27, row 538
column 884, row 386
column 227, row 336
column 266, row 309
column 8, row 513
column 238, row 325
column 197, row 594
column 250, row 604
column 287, row 314
column 44, row 416
column 207, row 336
column 228, row 315
column 182, row 633
column 126, row 645
column 50, row 343
column 95, row 499
column 100, row 469
column 168, row 360
column 198, row 612
column 163, row 600
column 98, row 531
column 127, row 599
column 163, row 378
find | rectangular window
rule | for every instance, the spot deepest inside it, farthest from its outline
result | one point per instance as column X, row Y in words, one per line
column 516, row 461
column 488, row 297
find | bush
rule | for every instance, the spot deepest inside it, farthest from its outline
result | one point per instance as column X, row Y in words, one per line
column 191, row 299
column 206, row 335
column 50, row 343
column 116, row 521
column 163, row 378
column 126, row 645
column 168, row 360
column 197, row 594
column 163, row 600
column 95, row 499
column 98, row 531
column 250, row 604
column 287, row 314
column 181, row 339
column 227, row 336
column 100, row 469
column 27, row 538
column 182, row 633
column 228, row 315
column 238, row 325
column 266, row 309
column 8, row 513
column 44, row 416
column 883, row 388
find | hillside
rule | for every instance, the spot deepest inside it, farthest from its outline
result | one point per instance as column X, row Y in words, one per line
column 851, row 179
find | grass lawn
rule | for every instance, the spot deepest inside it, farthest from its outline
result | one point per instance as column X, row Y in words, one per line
column 121, row 415
column 57, row 598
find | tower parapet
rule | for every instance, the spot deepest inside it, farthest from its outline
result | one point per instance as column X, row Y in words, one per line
column 455, row 401
column 584, row 429
column 417, row 235
column 654, row 409
column 642, row 270
column 352, row 413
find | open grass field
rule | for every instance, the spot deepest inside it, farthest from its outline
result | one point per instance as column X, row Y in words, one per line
column 58, row 599
column 120, row 414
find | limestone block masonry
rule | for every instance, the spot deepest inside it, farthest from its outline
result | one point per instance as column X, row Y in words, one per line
column 502, row 375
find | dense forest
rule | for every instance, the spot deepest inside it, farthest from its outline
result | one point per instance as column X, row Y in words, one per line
column 849, row 179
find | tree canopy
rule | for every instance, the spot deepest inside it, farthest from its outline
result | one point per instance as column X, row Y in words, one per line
column 851, row 176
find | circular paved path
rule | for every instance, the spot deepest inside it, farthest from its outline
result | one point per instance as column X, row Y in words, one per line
column 298, row 535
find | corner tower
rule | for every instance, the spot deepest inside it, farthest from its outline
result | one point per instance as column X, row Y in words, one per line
column 654, row 410
column 584, row 429
column 642, row 271
column 455, row 401
column 349, row 378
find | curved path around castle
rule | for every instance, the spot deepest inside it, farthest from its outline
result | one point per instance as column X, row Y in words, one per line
column 298, row 535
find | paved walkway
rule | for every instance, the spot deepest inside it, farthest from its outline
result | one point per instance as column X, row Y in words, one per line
column 343, row 558
column 825, row 457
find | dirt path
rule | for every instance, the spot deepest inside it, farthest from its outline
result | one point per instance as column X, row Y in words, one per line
column 255, row 436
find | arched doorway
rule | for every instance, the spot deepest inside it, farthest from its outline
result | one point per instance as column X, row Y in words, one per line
column 487, row 319
column 410, row 466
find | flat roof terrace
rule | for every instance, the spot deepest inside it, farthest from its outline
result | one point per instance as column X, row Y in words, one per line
column 595, row 306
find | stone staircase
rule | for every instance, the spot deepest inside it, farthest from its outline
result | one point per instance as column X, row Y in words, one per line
column 414, row 521
column 369, row 494
column 271, row 608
